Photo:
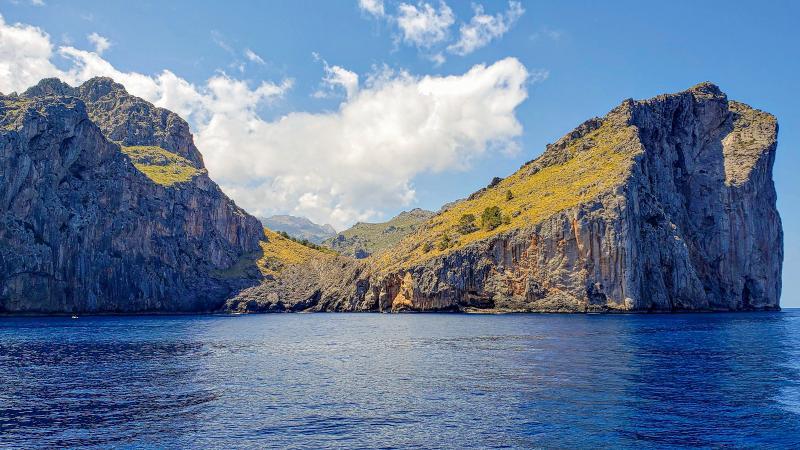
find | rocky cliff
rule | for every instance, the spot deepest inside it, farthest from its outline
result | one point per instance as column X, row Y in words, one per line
column 664, row 204
column 105, row 206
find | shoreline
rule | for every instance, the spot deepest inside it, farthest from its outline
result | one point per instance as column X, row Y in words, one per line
column 487, row 312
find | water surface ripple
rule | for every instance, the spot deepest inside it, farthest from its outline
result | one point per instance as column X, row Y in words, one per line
column 402, row 381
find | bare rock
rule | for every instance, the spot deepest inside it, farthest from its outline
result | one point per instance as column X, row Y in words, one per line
column 83, row 230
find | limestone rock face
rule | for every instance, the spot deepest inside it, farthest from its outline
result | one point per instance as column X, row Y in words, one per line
column 692, row 225
column 83, row 230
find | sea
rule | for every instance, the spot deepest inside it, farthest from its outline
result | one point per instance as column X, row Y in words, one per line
column 353, row 381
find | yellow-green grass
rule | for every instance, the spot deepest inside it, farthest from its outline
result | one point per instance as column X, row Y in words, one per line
column 597, row 162
column 280, row 252
column 276, row 253
column 376, row 237
column 161, row 166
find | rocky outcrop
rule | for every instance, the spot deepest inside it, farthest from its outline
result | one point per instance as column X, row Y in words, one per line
column 676, row 213
column 124, row 118
column 321, row 284
column 83, row 230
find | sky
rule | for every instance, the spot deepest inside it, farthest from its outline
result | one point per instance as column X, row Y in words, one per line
column 356, row 110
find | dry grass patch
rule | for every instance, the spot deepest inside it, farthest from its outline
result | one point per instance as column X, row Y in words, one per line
column 161, row 166
column 596, row 162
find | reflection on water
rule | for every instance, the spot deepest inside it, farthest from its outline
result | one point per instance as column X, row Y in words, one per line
column 370, row 380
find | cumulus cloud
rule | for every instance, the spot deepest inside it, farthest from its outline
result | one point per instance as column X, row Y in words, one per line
column 336, row 166
column 339, row 166
column 100, row 43
column 424, row 25
column 483, row 28
column 25, row 54
column 374, row 7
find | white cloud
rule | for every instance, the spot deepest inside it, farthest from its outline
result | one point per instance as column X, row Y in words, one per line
column 483, row 28
column 25, row 53
column 253, row 56
column 423, row 25
column 337, row 166
column 101, row 44
column 336, row 76
column 428, row 28
column 437, row 58
column 37, row 2
column 374, row 7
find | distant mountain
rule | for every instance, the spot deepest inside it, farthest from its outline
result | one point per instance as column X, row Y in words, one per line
column 299, row 227
column 364, row 239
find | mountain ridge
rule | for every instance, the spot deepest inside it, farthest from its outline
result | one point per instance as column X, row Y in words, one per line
column 364, row 239
column 299, row 227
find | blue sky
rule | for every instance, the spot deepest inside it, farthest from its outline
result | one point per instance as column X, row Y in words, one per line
column 594, row 55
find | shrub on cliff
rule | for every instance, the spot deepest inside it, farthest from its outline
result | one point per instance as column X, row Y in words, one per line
column 491, row 218
column 466, row 224
column 445, row 243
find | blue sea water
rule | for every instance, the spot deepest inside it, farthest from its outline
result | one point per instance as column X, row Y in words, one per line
column 416, row 380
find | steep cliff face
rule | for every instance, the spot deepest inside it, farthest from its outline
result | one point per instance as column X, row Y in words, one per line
column 105, row 206
column 662, row 205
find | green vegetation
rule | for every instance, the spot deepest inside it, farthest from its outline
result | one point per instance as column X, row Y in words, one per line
column 162, row 167
column 466, row 224
column 306, row 243
column 12, row 109
column 364, row 239
column 509, row 195
column 587, row 166
column 280, row 252
column 491, row 218
column 445, row 243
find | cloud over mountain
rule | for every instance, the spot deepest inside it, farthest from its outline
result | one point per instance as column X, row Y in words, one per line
column 336, row 166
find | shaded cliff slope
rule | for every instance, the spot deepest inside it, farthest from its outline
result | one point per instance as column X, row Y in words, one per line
column 105, row 206
column 664, row 204
column 364, row 239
